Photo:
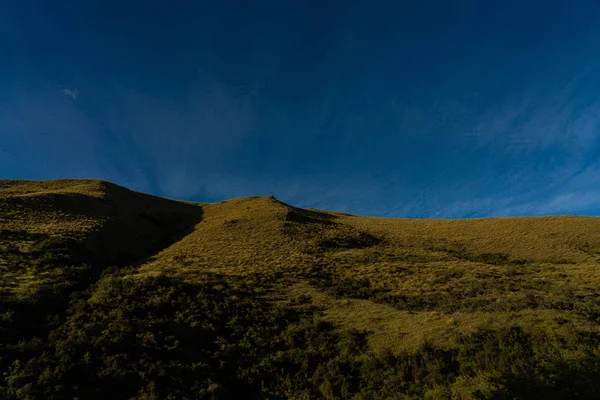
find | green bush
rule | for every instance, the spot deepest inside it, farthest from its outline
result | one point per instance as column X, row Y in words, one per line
column 162, row 338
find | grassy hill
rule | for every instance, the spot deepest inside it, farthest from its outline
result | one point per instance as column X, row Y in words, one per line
column 81, row 222
column 109, row 292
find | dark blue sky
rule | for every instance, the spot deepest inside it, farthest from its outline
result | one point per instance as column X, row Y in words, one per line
column 422, row 108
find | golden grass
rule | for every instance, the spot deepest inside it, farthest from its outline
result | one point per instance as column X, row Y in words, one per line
column 109, row 221
column 239, row 236
column 399, row 330
column 533, row 238
column 498, row 262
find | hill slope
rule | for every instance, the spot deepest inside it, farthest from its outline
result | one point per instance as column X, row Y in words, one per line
column 406, row 281
column 402, row 285
column 98, row 222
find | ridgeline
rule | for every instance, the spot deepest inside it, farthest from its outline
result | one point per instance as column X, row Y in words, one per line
column 110, row 293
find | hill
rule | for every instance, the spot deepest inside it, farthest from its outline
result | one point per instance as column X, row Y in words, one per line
column 88, row 221
column 109, row 292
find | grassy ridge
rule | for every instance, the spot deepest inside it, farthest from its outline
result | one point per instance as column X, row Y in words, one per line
column 99, row 223
column 458, row 276
column 58, row 237
column 102, row 287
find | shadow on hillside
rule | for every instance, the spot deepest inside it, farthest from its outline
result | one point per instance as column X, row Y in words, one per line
column 308, row 216
column 349, row 240
column 140, row 236
column 131, row 225
column 63, row 267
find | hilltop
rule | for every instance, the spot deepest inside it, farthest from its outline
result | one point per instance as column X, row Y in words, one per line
column 94, row 222
column 403, row 285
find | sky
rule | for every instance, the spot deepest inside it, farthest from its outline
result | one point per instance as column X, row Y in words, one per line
column 429, row 108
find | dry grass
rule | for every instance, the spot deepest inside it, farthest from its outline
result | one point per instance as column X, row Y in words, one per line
column 109, row 223
column 401, row 330
column 239, row 236
column 421, row 279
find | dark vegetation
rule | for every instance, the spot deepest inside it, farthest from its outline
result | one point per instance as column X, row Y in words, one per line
column 159, row 337
column 126, row 337
column 468, row 296
column 63, row 266
column 94, row 326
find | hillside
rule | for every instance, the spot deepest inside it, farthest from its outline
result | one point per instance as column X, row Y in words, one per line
column 98, row 222
column 480, row 308
column 423, row 273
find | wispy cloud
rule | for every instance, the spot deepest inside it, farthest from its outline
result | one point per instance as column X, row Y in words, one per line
column 578, row 194
column 72, row 93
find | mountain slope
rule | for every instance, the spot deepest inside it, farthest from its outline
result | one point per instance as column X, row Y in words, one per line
column 140, row 295
column 100, row 223
column 366, row 271
column 406, row 281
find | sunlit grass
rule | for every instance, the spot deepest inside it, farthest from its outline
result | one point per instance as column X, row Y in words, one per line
column 404, row 280
column 420, row 298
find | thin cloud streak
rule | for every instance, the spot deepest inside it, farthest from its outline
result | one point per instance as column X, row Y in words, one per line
column 72, row 93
